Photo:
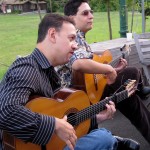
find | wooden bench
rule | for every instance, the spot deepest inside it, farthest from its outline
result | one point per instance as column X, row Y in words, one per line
column 142, row 42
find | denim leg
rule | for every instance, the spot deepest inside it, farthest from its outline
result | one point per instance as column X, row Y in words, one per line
column 1, row 140
column 98, row 139
column 0, row 144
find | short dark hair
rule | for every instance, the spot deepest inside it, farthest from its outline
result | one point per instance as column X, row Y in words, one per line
column 51, row 21
column 71, row 7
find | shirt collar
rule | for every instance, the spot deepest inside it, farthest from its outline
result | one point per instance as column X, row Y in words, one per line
column 41, row 59
column 82, row 34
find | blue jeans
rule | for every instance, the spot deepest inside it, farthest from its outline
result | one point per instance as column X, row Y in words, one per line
column 98, row 139
column 0, row 139
column 0, row 144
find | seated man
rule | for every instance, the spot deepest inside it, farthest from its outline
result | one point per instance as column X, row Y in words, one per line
column 35, row 75
column 132, row 107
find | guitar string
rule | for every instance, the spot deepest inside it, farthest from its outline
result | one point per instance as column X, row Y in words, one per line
column 112, row 63
column 86, row 113
column 95, row 104
column 115, row 62
column 89, row 112
column 96, row 108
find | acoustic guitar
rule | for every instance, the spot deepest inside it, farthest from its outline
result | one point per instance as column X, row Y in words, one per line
column 73, row 103
column 94, row 84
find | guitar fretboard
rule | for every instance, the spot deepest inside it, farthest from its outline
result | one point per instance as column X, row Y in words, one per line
column 92, row 110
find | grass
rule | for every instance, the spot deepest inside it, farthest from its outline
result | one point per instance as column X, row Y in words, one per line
column 100, row 31
column 18, row 34
column 17, row 37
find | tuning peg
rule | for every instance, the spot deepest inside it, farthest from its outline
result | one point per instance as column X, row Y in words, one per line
column 121, row 48
column 127, row 82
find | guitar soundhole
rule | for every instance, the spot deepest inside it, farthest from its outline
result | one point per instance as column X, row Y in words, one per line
column 72, row 117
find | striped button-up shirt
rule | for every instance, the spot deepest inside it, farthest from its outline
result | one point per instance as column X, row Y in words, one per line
column 31, row 75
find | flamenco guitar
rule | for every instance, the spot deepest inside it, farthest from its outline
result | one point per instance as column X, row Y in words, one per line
column 94, row 84
column 73, row 103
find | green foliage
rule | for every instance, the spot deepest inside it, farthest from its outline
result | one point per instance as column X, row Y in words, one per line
column 16, row 12
column 57, row 5
column 146, row 7
column 96, row 5
column 100, row 5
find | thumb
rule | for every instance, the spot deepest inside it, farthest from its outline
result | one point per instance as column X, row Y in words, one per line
column 65, row 117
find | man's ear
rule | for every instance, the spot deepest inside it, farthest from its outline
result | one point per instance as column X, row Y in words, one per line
column 72, row 17
column 52, row 35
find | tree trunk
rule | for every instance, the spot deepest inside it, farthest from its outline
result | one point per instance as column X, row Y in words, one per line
column 109, row 20
column 50, row 4
column 133, row 8
column 38, row 8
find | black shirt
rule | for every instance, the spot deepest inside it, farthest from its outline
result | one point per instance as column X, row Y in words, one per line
column 31, row 75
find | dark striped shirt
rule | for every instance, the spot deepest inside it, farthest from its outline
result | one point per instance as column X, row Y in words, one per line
column 31, row 75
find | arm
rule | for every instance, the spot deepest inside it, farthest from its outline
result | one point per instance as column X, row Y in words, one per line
column 121, row 65
column 90, row 66
column 103, row 115
column 19, row 83
column 66, row 132
column 106, row 114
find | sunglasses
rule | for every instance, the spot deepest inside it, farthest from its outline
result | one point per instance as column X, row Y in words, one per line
column 86, row 12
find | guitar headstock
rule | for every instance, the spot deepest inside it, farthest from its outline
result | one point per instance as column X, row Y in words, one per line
column 130, row 86
column 125, row 49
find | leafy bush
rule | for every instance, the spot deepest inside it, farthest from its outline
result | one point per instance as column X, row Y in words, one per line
column 16, row 12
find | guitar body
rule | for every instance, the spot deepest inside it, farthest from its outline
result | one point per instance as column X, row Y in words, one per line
column 92, row 84
column 78, row 111
column 68, row 102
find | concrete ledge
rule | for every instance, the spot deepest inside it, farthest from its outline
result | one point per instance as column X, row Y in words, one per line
column 99, row 47
column 114, row 46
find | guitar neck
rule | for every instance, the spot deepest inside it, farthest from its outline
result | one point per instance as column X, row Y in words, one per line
column 115, row 62
column 92, row 110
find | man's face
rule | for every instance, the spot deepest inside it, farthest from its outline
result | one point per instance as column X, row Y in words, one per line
column 66, row 43
column 84, row 18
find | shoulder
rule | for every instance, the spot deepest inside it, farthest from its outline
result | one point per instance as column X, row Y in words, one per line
column 23, row 67
column 22, row 63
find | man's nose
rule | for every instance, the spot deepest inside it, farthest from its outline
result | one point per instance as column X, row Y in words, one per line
column 75, row 46
column 91, row 15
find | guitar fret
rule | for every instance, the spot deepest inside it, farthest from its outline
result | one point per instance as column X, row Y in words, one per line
column 116, row 60
column 96, row 108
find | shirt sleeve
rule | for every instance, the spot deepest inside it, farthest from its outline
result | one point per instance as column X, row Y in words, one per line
column 15, row 118
column 94, row 124
column 80, row 53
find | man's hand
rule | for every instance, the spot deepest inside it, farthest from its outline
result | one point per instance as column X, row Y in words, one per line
column 66, row 132
column 121, row 65
column 106, row 114
column 111, row 77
